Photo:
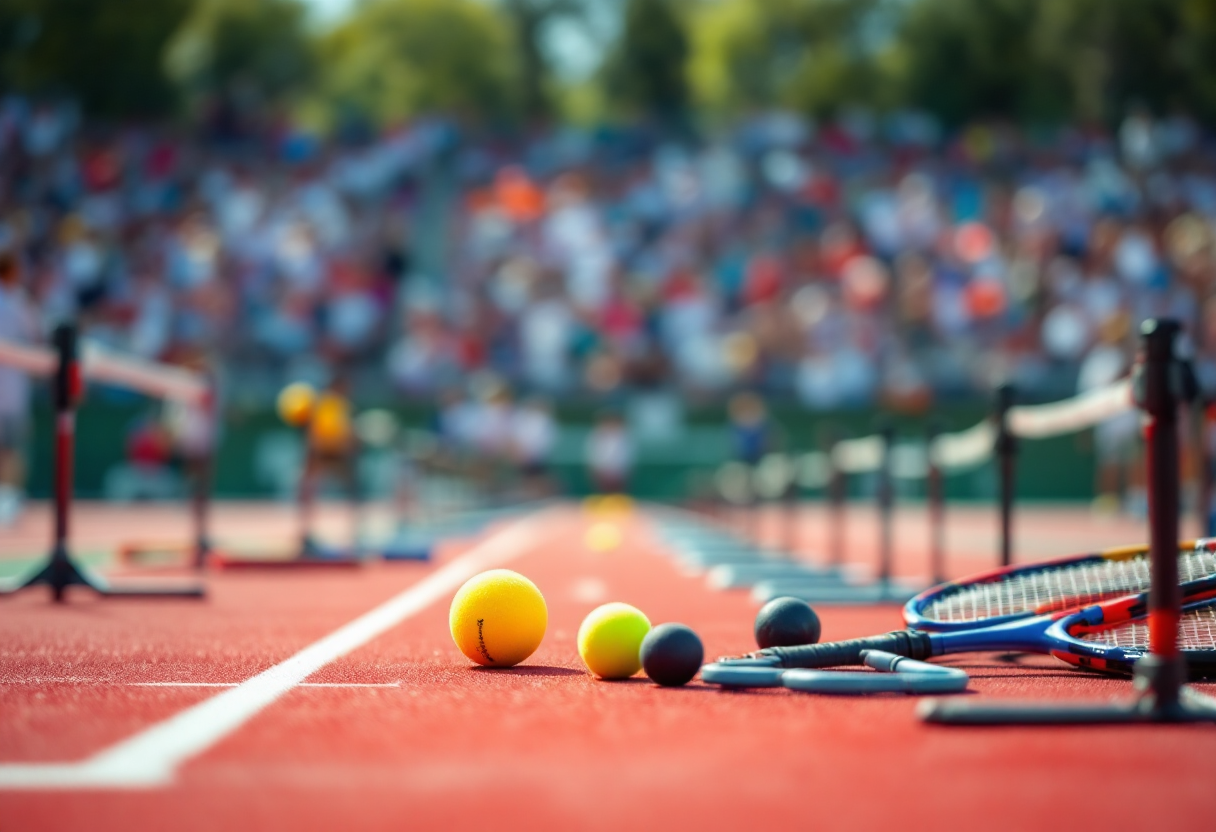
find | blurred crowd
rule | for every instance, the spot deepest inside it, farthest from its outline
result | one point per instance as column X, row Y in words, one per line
column 265, row 249
column 869, row 259
column 864, row 260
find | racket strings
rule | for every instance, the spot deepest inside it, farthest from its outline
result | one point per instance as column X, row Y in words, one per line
column 1060, row 587
column 1196, row 631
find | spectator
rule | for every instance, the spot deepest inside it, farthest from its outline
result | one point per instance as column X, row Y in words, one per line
column 534, row 433
column 610, row 455
column 19, row 323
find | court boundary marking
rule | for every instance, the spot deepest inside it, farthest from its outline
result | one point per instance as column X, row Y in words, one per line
column 150, row 758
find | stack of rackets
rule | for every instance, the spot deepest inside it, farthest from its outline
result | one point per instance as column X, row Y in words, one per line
column 1090, row 611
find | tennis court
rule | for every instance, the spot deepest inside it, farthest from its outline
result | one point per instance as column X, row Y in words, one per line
column 399, row 730
column 561, row 415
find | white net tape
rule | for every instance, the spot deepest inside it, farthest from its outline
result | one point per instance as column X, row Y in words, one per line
column 98, row 364
column 35, row 360
column 814, row 470
column 773, row 476
column 1071, row 415
column 734, row 483
column 857, row 456
column 972, row 447
column 966, row 449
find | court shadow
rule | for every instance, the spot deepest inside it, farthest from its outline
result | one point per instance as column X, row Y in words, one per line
column 529, row 670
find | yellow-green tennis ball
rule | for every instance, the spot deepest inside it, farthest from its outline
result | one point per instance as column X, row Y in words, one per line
column 295, row 403
column 498, row 618
column 610, row 640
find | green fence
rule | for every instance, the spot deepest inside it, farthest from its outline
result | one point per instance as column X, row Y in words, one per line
column 1051, row 469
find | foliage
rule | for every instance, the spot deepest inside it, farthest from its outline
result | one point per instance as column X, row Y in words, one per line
column 393, row 59
column 1030, row 60
column 256, row 47
column 530, row 21
column 646, row 72
column 107, row 54
column 810, row 55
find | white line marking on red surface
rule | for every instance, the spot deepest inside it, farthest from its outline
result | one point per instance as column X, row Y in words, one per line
column 238, row 684
column 151, row 758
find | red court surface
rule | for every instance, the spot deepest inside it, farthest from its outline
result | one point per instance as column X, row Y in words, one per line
column 119, row 714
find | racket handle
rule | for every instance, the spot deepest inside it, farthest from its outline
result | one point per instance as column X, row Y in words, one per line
column 909, row 643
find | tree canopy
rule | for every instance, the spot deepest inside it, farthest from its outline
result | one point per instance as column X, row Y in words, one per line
column 1030, row 60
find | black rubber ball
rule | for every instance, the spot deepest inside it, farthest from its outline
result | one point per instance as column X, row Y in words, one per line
column 672, row 654
column 786, row 622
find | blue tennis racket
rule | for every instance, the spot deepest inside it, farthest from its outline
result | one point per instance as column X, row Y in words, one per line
column 1018, row 592
column 1110, row 637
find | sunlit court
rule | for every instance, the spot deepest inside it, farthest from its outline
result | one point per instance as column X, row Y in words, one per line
column 561, row 415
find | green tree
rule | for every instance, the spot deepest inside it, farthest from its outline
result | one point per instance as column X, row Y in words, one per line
column 531, row 21
column 815, row 56
column 962, row 59
column 646, row 72
column 258, row 48
column 105, row 53
column 1050, row 60
column 393, row 59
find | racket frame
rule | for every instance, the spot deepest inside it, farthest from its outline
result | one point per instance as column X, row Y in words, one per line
column 914, row 611
column 1057, row 634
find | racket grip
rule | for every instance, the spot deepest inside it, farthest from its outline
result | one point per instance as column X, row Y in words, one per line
column 909, row 643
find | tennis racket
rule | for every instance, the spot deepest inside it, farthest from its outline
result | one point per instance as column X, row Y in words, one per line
column 1110, row 637
column 1018, row 592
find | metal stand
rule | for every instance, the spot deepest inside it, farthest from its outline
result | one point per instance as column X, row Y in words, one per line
column 60, row 570
column 1203, row 496
column 884, row 588
column 792, row 501
column 200, row 472
column 837, row 497
column 1160, row 383
column 885, row 500
column 1006, row 454
column 935, row 496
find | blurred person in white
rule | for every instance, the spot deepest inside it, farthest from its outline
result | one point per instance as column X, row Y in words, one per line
column 193, row 429
column 82, row 263
column 18, row 322
column 423, row 356
column 1120, row 473
column 492, row 427
column 575, row 241
column 534, row 435
column 610, row 455
column 546, row 328
column 688, row 320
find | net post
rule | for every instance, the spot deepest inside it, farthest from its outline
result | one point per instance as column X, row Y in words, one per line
column 753, row 509
column 200, row 501
column 60, row 570
column 717, row 503
column 792, row 494
column 1203, row 454
column 886, row 504
column 837, row 486
column 1006, row 448
column 1160, row 383
column 1157, row 385
column 936, row 498
column 65, row 394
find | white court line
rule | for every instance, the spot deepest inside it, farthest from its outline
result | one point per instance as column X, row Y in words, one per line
column 238, row 684
column 33, row 683
column 152, row 757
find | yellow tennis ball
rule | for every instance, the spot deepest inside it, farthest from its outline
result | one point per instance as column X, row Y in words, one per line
column 498, row 618
column 295, row 403
column 610, row 640
column 602, row 537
